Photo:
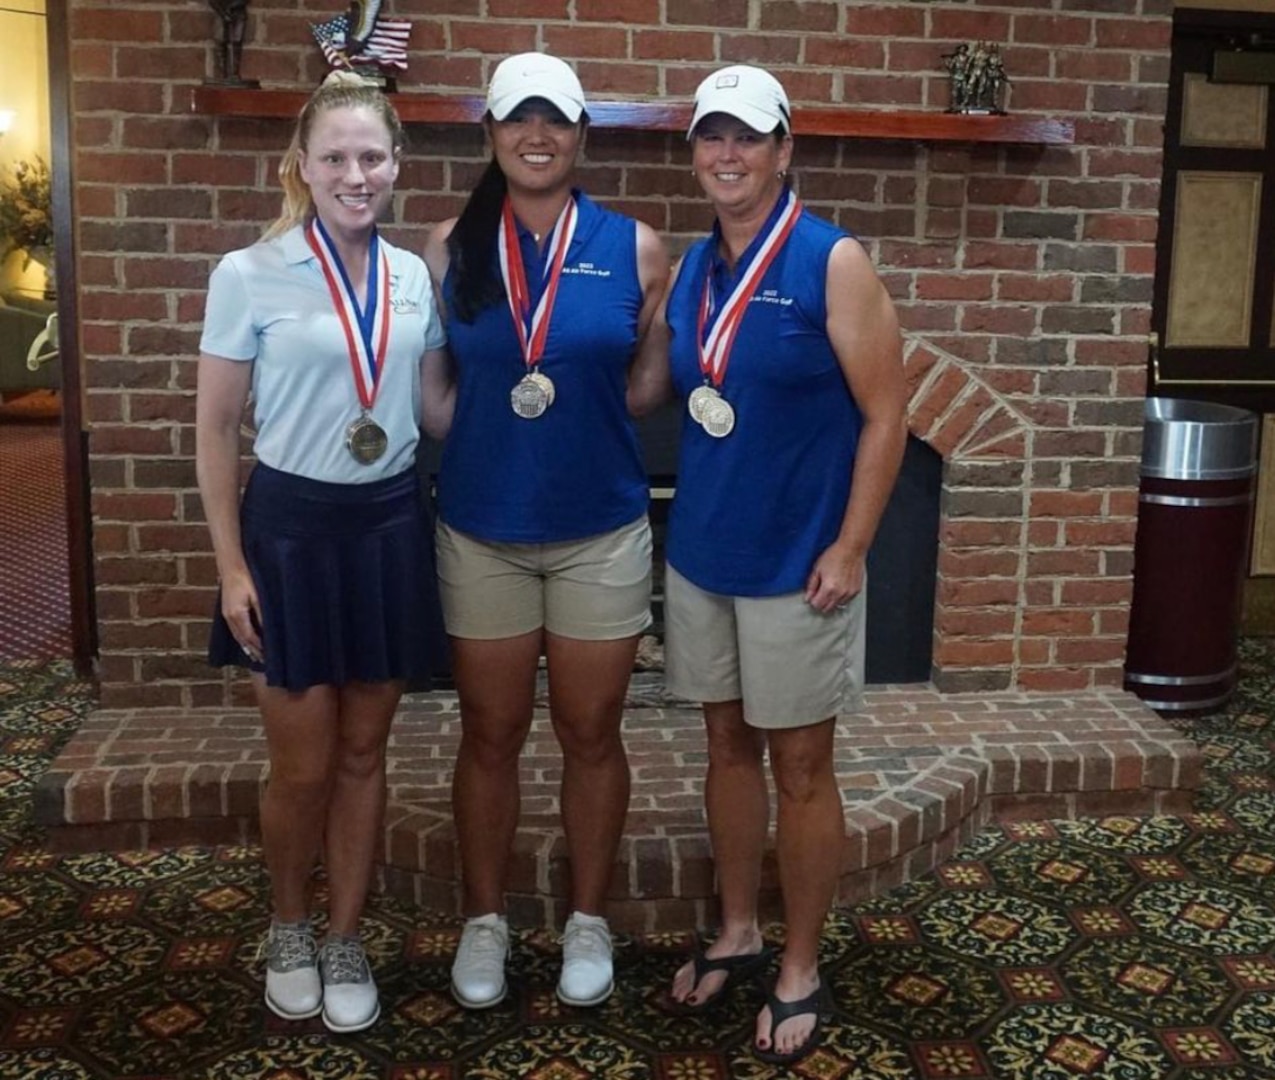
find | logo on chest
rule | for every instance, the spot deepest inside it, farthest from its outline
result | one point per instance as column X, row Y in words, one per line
column 770, row 296
column 587, row 269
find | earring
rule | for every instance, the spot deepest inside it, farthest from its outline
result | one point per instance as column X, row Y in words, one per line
column 782, row 173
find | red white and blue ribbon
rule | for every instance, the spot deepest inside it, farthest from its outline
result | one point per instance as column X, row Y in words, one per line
column 367, row 326
column 533, row 326
column 715, row 347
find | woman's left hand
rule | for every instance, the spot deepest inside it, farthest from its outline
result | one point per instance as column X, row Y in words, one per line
column 836, row 579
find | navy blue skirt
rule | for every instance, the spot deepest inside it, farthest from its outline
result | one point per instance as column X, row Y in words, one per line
column 346, row 581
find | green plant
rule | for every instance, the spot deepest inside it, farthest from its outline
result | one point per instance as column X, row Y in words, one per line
column 26, row 216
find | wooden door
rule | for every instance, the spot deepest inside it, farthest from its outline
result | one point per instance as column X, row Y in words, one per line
column 1214, row 312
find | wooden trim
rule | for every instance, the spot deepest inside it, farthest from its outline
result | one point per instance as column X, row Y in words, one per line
column 79, row 539
column 913, row 125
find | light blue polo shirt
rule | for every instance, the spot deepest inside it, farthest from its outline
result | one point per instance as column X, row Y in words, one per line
column 270, row 304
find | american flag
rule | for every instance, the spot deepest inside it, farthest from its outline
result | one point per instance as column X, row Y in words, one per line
column 386, row 45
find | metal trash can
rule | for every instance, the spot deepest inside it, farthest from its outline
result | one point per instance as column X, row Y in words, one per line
column 1195, row 502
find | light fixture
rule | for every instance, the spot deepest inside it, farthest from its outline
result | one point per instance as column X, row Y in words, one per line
column 6, row 120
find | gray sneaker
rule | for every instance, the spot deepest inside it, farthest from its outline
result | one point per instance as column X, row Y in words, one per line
column 293, row 990
column 350, row 1001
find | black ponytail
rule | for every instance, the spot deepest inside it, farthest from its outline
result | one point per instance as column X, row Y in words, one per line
column 472, row 244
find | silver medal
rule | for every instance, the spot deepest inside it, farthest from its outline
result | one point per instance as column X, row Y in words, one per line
column 529, row 398
column 543, row 381
column 718, row 418
column 700, row 397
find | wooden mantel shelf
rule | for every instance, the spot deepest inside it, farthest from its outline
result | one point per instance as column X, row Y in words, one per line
column 913, row 125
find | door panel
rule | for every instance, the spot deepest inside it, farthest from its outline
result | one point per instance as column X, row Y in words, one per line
column 1214, row 114
column 1214, row 306
column 1214, row 254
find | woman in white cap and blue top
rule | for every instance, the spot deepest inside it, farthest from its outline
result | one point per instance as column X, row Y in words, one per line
column 328, row 591
column 785, row 349
column 543, row 539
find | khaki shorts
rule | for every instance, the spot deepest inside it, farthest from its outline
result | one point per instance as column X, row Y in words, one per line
column 790, row 664
column 594, row 589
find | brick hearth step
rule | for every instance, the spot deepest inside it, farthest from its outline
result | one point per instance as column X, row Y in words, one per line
column 920, row 772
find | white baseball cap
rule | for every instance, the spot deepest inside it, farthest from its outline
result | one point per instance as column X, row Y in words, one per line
column 534, row 75
column 746, row 93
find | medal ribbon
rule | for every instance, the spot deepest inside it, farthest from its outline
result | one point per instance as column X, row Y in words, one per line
column 368, row 346
column 533, row 327
column 715, row 348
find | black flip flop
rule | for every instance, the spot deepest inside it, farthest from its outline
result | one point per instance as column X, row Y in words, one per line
column 737, row 967
column 816, row 1004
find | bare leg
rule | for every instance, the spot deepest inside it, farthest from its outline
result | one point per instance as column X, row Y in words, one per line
column 738, row 809
column 811, row 831
column 301, row 737
column 496, row 681
column 356, row 810
column 587, row 684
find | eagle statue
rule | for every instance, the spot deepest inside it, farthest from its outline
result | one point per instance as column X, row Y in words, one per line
column 359, row 37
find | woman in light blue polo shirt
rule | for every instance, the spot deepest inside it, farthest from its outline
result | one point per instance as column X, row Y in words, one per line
column 328, row 592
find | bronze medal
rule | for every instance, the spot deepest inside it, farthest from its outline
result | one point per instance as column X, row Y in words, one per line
column 367, row 334
column 366, row 440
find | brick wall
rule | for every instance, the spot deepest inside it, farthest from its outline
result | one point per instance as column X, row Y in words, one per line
column 1022, row 274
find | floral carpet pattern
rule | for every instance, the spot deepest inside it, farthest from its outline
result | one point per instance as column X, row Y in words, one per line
column 1117, row 949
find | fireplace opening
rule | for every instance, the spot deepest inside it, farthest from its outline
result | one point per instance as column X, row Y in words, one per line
column 902, row 565
column 902, row 571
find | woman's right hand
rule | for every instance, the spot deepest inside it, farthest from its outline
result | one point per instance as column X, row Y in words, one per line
column 242, row 612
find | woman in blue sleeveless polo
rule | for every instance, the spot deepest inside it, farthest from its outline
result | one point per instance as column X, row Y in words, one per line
column 785, row 349
column 543, row 539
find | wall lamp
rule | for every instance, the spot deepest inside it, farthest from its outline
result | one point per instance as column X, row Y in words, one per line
column 6, row 121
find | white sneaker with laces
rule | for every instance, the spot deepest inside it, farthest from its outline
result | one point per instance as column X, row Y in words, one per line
column 478, row 972
column 293, row 990
column 587, row 970
column 350, row 1000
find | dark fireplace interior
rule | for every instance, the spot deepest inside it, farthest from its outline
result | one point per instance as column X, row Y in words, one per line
column 902, row 564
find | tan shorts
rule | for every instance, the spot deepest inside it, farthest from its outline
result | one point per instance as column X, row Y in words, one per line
column 594, row 589
column 790, row 664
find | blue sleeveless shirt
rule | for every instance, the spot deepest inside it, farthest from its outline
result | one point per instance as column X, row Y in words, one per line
column 754, row 510
column 576, row 471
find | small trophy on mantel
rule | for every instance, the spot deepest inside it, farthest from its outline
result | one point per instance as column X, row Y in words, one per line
column 234, row 21
column 978, row 79
column 364, row 42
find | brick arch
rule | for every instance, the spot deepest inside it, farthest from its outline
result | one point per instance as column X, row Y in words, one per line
column 982, row 556
column 955, row 412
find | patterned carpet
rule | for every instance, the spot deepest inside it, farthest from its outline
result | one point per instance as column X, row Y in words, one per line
column 35, row 610
column 1121, row 949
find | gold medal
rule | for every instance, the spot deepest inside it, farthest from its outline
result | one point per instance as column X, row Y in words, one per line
column 366, row 334
column 718, row 418
column 366, row 440
column 529, row 399
column 699, row 397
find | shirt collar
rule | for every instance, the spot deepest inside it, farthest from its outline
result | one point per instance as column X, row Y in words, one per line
column 717, row 263
column 295, row 247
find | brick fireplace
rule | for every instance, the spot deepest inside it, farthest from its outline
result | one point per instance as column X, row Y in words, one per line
column 1022, row 274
